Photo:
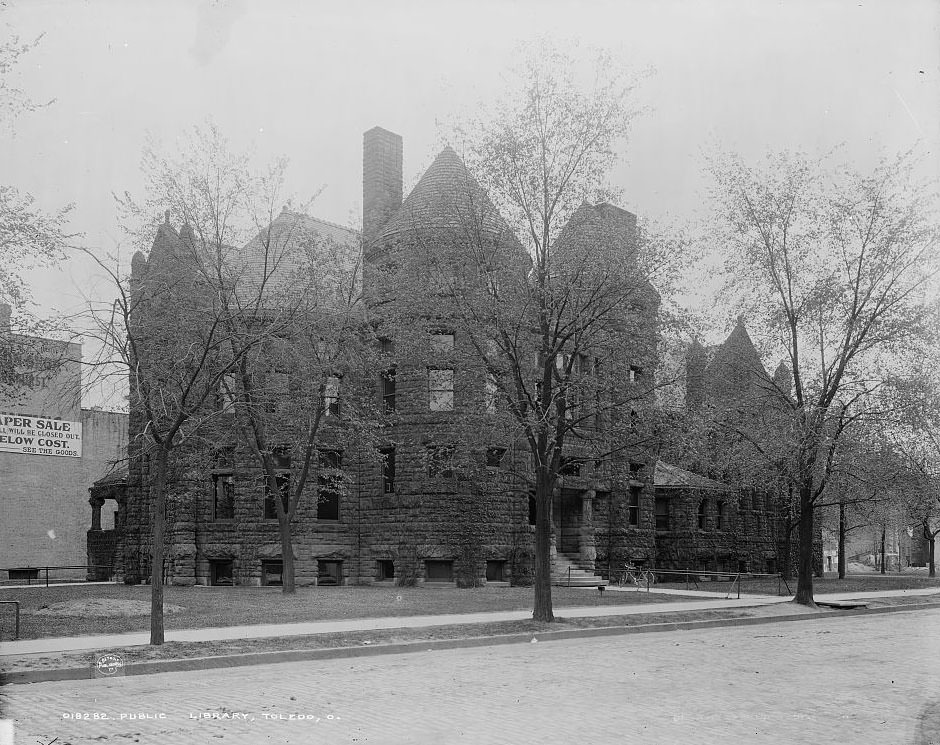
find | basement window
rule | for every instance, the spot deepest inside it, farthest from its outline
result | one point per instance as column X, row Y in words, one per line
column 329, row 572
column 438, row 570
column 271, row 572
column 495, row 571
column 384, row 570
column 221, row 572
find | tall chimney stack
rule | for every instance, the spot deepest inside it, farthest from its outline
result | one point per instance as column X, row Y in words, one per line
column 381, row 180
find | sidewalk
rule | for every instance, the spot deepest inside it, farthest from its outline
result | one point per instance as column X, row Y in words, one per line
column 709, row 601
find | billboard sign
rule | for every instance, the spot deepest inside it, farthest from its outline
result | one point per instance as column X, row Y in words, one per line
column 36, row 435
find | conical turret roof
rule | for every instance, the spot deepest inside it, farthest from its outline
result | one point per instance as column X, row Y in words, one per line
column 446, row 196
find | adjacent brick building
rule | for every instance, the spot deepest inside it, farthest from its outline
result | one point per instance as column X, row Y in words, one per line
column 45, row 496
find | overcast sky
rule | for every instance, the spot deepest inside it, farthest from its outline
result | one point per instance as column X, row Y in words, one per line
column 305, row 79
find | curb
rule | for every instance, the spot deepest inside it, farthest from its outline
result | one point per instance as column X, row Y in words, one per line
column 334, row 653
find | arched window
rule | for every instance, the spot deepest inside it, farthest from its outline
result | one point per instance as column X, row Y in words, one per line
column 702, row 514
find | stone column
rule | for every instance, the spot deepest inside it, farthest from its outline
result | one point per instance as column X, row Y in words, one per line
column 96, row 504
column 586, row 542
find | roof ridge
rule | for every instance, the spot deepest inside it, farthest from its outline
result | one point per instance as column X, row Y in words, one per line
column 321, row 221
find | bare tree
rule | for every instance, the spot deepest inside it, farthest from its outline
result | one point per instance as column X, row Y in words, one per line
column 297, row 393
column 546, row 280
column 832, row 267
column 170, row 326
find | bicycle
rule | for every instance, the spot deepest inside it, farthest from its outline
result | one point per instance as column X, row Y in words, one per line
column 633, row 575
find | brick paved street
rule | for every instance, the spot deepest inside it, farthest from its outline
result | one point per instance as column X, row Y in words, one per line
column 867, row 679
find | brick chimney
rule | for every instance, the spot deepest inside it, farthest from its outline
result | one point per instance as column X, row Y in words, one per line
column 381, row 180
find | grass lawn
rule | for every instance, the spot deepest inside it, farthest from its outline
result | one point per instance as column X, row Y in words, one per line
column 233, row 606
column 378, row 637
column 852, row 583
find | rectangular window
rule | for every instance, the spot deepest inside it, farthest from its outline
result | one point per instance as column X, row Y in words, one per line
column 440, row 460
column 442, row 342
column 388, row 390
column 635, row 374
column 662, row 513
column 494, row 457
column 720, row 515
column 330, row 487
column 280, row 456
column 490, row 394
column 495, row 571
column 384, row 570
column 490, row 280
column 438, row 570
column 388, row 470
column 228, row 390
column 533, row 509
column 570, row 467
column 223, row 496
column 387, row 345
column 633, row 506
column 221, row 572
column 329, row 572
column 271, row 572
column 440, row 389
column 275, row 392
column 331, row 396
column 282, row 479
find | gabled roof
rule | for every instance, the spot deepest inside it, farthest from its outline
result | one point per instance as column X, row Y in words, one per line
column 446, row 196
column 669, row 476
column 737, row 352
column 300, row 247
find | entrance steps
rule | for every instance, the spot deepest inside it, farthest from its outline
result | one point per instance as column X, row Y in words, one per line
column 567, row 572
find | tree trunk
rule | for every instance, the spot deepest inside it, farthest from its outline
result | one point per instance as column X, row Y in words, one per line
column 884, row 530
column 287, row 552
column 842, row 561
column 542, row 609
column 156, row 564
column 931, row 550
column 898, row 543
column 804, row 578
